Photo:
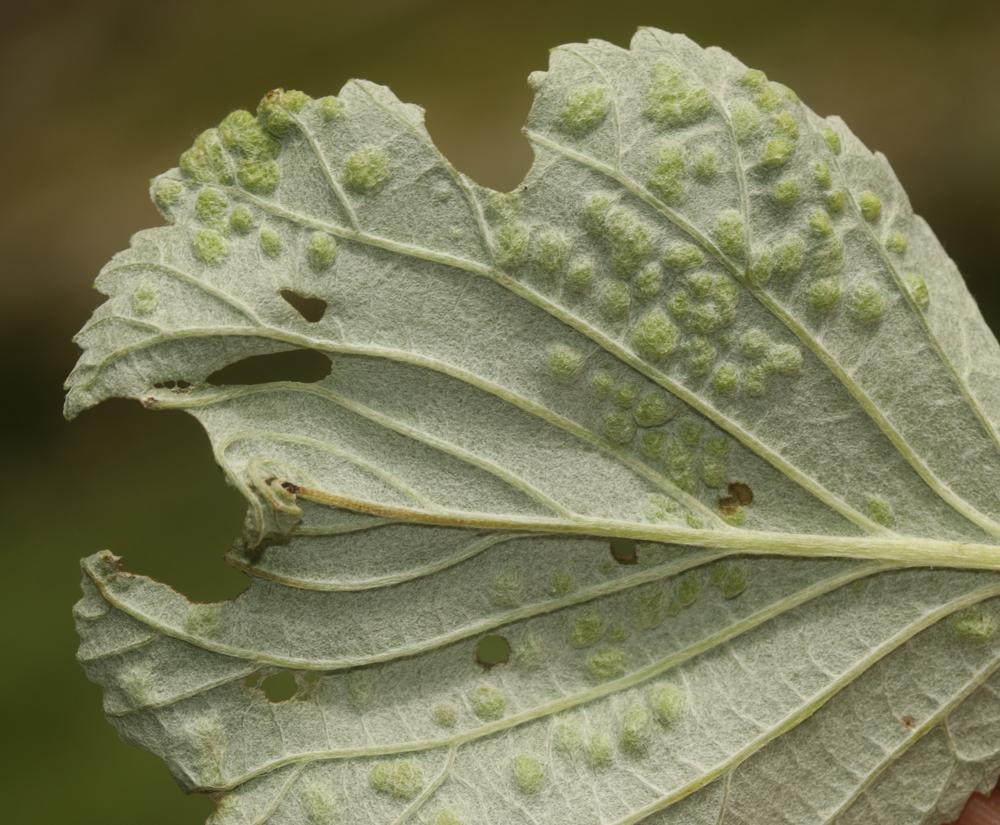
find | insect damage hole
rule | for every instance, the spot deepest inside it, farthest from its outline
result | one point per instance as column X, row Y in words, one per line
column 279, row 687
column 493, row 649
column 310, row 308
column 304, row 366
column 624, row 551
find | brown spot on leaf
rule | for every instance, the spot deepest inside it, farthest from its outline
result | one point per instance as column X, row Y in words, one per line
column 728, row 506
column 741, row 492
column 908, row 722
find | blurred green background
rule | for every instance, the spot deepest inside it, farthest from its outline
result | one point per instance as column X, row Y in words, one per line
column 98, row 97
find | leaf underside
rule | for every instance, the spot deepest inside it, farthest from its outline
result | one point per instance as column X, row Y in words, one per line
column 662, row 489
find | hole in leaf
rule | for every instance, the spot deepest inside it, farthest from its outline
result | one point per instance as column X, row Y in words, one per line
column 280, row 687
column 172, row 385
column 305, row 366
column 624, row 551
column 492, row 649
column 311, row 309
column 741, row 492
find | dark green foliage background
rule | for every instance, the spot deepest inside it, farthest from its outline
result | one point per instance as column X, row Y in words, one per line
column 98, row 97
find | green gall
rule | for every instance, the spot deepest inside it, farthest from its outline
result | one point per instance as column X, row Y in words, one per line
column 507, row 589
column 528, row 774
column 209, row 246
column 318, row 803
column 777, row 152
column 706, row 165
column 918, row 289
column 636, row 731
column 835, row 201
column 618, row 427
column 770, row 98
column 241, row 221
column 210, row 208
column 401, row 779
column 648, row 283
column 628, row 238
column 832, row 140
column 701, row 355
column 755, row 380
column 726, row 379
column 446, row 817
column 585, row 108
column 668, row 703
column 746, row 120
column 730, row 233
column 788, row 256
column 753, row 79
column 754, row 343
column 654, row 337
column 366, row 169
column 827, row 256
column 270, row 243
column 870, row 205
column 824, row 294
column 606, row 663
column 976, row 625
column 595, row 211
column 733, row 583
column 681, row 256
column 651, row 444
column 688, row 589
column 560, row 583
column 445, row 716
column 787, row 191
column 667, row 177
column 258, row 176
column 819, row 223
column 241, row 133
column 880, row 511
column 504, row 205
column 897, row 243
column 143, row 300
column 786, row 123
column 512, row 242
column 587, row 630
column 867, row 302
column 203, row 619
column 564, row 363
column 205, row 161
column 713, row 473
column 567, row 738
column 166, row 193
column 821, row 174
column 330, row 108
column 784, row 358
column 580, row 275
column 626, row 394
column 599, row 752
column 654, row 409
column 321, row 252
column 277, row 108
column 489, row 704
column 615, row 301
column 601, row 383
column 551, row 249
column 672, row 101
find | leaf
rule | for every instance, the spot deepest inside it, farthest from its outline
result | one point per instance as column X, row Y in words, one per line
column 620, row 498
